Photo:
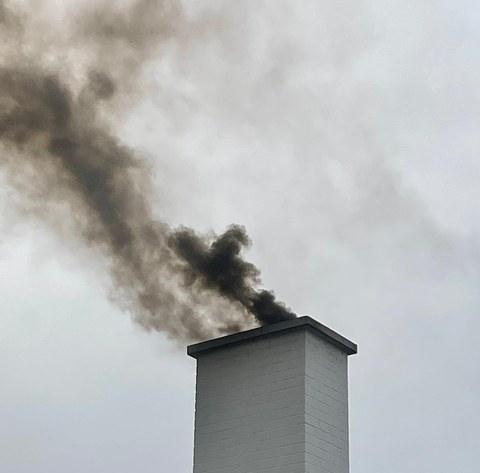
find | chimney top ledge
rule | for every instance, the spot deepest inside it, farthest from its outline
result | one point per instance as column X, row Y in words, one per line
column 321, row 330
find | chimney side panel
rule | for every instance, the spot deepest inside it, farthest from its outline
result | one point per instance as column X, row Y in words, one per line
column 326, row 407
column 250, row 407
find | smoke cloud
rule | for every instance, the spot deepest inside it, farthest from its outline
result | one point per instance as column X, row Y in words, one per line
column 221, row 268
column 57, row 119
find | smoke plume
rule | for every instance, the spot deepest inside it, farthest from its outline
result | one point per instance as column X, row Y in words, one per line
column 56, row 117
column 220, row 267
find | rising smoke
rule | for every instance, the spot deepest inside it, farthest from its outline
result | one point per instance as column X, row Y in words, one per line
column 53, row 118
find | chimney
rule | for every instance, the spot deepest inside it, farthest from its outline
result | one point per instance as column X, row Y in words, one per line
column 273, row 400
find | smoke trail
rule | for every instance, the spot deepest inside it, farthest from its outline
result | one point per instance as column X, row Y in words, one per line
column 172, row 281
column 220, row 267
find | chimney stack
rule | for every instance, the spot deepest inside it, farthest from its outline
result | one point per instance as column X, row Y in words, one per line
column 273, row 400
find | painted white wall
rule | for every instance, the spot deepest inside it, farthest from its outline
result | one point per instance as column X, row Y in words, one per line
column 272, row 404
column 326, row 407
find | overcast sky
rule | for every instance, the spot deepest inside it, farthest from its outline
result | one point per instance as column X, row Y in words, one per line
column 344, row 135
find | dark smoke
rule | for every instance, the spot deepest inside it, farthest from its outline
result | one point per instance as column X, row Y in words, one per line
column 219, row 266
column 172, row 281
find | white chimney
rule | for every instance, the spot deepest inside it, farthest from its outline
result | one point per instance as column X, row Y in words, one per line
column 273, row 400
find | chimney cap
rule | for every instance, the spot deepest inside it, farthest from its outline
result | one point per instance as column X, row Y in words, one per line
column 324, row 332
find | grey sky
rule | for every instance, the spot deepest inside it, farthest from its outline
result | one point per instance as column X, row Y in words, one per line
column 344, row 135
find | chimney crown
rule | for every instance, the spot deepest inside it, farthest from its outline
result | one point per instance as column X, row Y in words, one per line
column 321, row 330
